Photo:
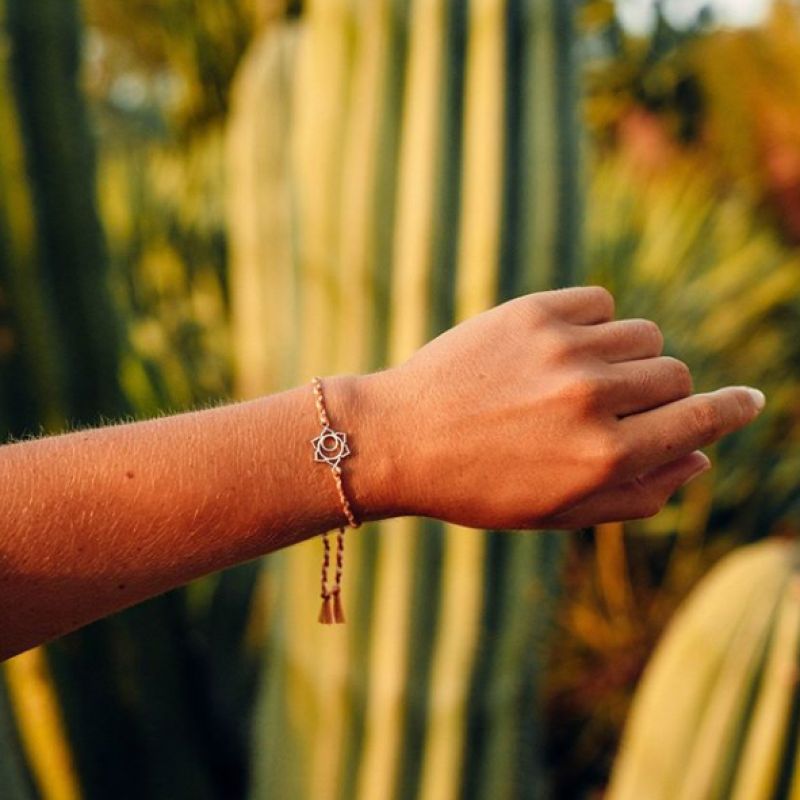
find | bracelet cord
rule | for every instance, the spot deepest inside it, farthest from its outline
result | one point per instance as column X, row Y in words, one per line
column 331, row 447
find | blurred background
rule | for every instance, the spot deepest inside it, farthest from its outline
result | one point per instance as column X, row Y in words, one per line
column 203, row 201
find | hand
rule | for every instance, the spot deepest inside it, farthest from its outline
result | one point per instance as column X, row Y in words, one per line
column 544, row 413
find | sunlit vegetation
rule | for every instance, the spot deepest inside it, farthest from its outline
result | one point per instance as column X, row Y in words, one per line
column 693, row 197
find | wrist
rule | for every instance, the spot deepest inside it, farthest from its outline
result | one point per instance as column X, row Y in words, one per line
column 363, row 407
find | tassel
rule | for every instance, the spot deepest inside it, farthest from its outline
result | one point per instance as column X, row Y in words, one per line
column 326, row 613
column 338, row 611
column 332, row 610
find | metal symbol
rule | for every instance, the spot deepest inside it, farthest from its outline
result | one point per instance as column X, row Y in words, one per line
column 330, row 446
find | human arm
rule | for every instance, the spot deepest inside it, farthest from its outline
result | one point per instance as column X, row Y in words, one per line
column 96, row 520
column 538, row 413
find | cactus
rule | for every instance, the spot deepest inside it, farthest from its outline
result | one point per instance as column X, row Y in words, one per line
column 716, row 713
column 36, row 756
column 400, row 166
column 44, row 62
column 107, row 711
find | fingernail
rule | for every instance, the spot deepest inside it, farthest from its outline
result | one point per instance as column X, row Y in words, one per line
column 705, row 464
column 758, row 397
column 702, row 466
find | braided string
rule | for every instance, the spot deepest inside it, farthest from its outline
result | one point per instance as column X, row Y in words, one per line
column 332, row 610
column 325, row 614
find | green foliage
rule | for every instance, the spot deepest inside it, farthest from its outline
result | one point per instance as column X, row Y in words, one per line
column 697, row 236
column 677, row 248
column 164, row 221
column 625, row 72
column 192, row 48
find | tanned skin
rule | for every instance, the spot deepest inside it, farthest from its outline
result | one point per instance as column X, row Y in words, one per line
column 542, row 412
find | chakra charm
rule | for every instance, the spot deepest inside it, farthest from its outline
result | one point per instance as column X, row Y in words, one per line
column 330, row 446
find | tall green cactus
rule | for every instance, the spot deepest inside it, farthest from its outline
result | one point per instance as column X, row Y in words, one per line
column 44, row 62
column 717, row 711
column 150, row 703
column 38, row 386
column 398, row 166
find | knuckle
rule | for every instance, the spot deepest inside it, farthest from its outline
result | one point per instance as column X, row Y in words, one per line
column 562, row 349
column 707, row 418
column 520, row 312
column 535, row 311
column 601, row 295
column 744, row 408
column 680, row 376
column 648, row 331
column 646, row 380
column 610, row 457
column 587, row 389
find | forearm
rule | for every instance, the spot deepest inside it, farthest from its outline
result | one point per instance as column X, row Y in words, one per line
column 94, row 521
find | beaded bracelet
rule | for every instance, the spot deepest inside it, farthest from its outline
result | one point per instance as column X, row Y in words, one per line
column 331, row 447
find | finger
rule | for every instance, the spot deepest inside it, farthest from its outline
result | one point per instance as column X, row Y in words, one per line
column 638, row 386
column 663, row 434
column 639, row 498
column 581, row 305
column 624, row 340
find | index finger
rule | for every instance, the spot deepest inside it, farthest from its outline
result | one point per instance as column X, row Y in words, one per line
column 663, row 434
